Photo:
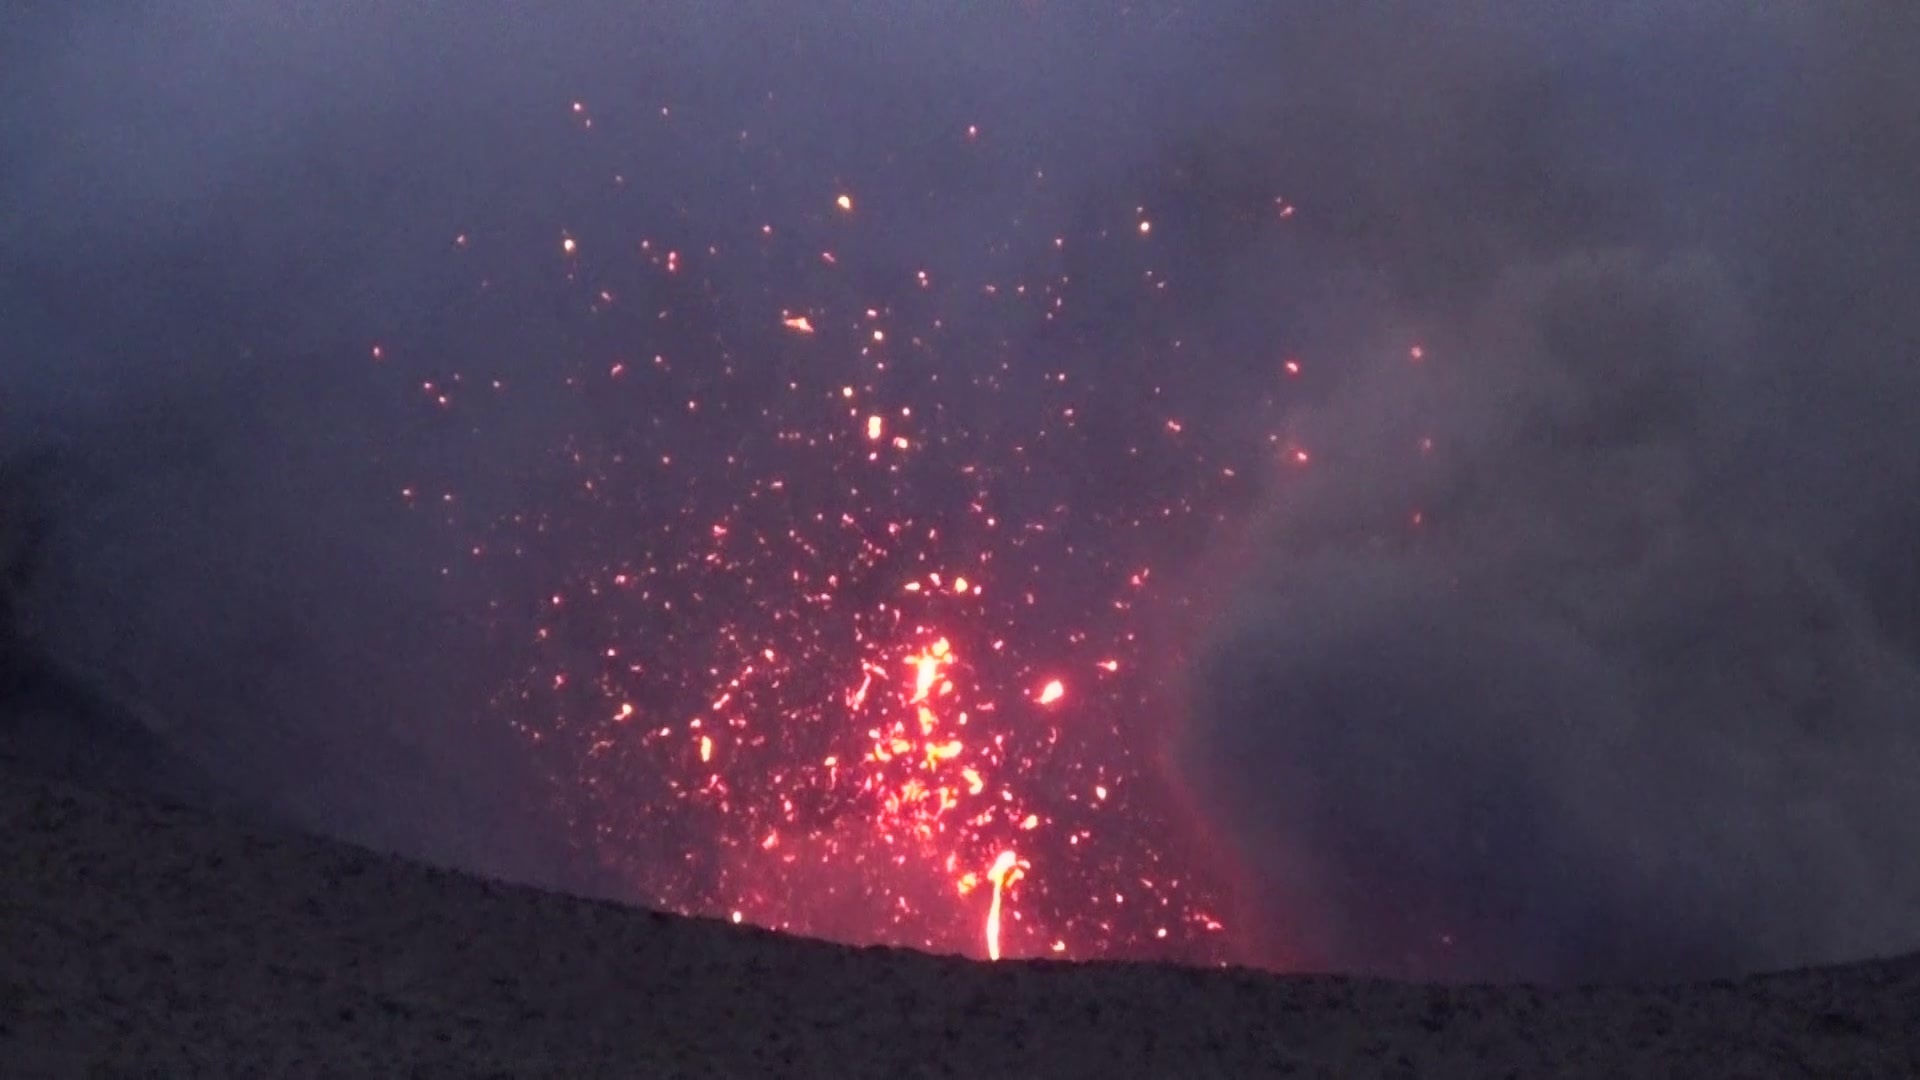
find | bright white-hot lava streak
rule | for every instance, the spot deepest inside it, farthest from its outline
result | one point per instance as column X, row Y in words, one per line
column 1005, row 871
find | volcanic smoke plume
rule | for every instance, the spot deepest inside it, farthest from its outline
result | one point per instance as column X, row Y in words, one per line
column 1423, row 490
column 1587, row 648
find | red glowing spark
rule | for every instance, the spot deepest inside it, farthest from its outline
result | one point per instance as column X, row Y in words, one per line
column 799, row 324
column 1052, row 692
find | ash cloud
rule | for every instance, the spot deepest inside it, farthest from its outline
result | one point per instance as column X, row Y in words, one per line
column 210, row 213
column 1639, row 696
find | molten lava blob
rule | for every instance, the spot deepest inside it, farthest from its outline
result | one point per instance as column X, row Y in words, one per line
column 1005, row 871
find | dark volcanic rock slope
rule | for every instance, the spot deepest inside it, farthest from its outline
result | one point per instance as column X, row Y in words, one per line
column 154, row 939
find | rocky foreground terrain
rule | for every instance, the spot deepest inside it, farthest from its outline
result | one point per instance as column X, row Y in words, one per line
column 142, row 938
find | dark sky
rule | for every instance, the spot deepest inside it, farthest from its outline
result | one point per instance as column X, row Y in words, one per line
column 1586, row 643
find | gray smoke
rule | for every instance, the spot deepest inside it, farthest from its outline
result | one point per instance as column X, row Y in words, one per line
column 1637, row 696
column 1639, row 693
column 210, row 211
